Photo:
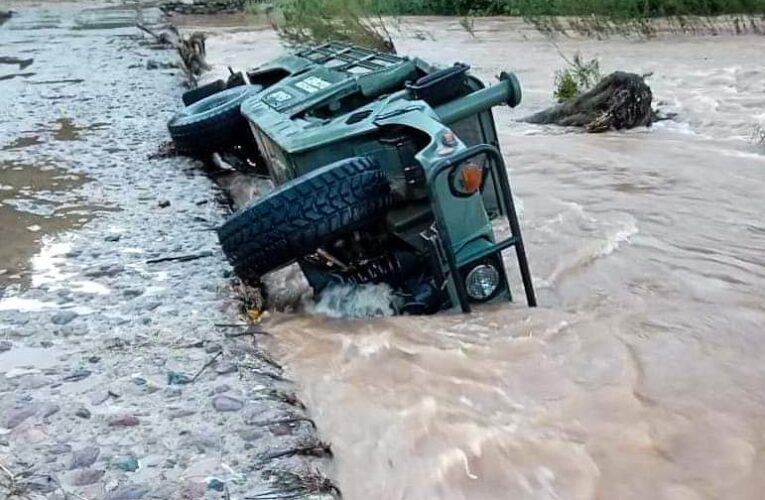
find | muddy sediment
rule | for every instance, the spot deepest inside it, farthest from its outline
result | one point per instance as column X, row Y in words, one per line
column 115, row 381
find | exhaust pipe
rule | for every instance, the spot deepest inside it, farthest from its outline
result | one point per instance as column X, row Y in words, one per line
column 507, row 91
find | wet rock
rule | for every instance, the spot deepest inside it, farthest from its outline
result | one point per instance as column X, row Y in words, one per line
column 83, row 413
column 84, row 458
column 127, row 492
column 86, row 477
column 94, row 359
column 152, row 64
column 63, row 317
column 113, row 237
column 17, row 415
column 225, row 402
column 124, row 421
column 176, row 378
column 172, row 392
column 164, row 204
column 215, row 484
column 132, row 293
column 128, row 463
column 5, row 345
column 77, row 375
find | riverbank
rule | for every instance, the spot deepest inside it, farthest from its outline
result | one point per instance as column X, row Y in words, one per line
column 115, row 381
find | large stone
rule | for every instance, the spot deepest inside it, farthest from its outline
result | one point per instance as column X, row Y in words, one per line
column 84, row 457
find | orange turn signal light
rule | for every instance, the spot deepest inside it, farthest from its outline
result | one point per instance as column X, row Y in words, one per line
column 472, row 177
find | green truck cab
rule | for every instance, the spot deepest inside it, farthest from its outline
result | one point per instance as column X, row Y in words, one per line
column 387, row 170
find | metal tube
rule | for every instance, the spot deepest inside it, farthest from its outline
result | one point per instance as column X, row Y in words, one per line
column 507, row 91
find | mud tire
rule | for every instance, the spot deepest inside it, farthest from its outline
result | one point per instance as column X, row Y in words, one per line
column 191, row 96
column 305, row 214
column 213, row 123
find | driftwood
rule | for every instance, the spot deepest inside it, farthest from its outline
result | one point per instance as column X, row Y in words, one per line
column 191, row 50
column 619, row 101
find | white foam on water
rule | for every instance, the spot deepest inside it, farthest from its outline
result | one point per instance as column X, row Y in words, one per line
column 349, row 301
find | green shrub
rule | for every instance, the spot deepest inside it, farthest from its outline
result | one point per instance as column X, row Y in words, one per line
column 317, row 21
column 576, row 79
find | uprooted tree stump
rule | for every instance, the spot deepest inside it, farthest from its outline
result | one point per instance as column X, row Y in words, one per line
column 191, row 50
column 619, row 101
column 5, row 15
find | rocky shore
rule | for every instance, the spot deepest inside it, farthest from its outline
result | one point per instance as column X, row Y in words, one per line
column 126, row 369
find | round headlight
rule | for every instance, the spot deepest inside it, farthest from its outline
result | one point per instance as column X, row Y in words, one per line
column 482, row 282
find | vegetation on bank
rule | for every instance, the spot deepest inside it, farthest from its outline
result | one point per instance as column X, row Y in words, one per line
column 628, row 9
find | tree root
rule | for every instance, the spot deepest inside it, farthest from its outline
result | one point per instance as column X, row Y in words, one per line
column 191, row 50
column 619, row 101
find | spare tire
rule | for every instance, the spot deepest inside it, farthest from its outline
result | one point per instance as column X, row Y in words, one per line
column 191, row 96
column 213, row 123
column 305, row 214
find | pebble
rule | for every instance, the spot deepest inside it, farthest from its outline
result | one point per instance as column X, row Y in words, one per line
column 63, row 317
column 172, row 392
column 224, row 402
column 105, row 270
column 112, row 237
column 128, row 463
column 77, row 375
column 181, row 414
column 132, row 292
column 127, row 492
column 84, row 458
column 88, row 476
column 177, row 378
column 82, row 413
column 227, row 368
column 215, row 484
column 124, row 421
column 164, row 203
column 222, row 388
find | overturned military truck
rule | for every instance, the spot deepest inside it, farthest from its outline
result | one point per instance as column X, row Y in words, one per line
column 387, row 170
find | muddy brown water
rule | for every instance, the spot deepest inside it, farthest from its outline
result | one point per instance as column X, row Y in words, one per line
column 640, row 375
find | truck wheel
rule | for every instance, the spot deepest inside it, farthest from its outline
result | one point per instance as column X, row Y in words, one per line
column 305, row 214
column 213, row 123
column 191, row 96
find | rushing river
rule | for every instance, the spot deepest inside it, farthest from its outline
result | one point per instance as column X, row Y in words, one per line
column 642, row 373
